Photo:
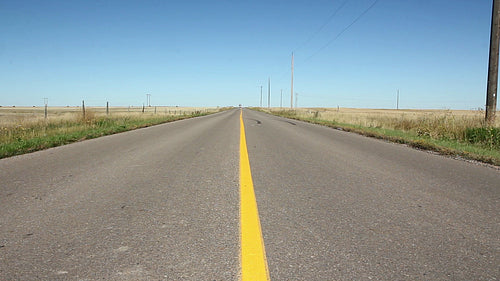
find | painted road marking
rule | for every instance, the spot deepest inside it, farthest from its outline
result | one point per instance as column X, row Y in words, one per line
column 253, row 254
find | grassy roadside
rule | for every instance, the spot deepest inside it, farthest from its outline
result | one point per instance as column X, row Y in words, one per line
column 479, row 143
column 30, row 136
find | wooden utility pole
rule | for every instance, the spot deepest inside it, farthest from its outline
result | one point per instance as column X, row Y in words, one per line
column 281, row 99
column 83, row 109
column 491, row 92
column 260, row 96
column 46, row 102
column 291, row 91
column 397, row 102
column 269, row 93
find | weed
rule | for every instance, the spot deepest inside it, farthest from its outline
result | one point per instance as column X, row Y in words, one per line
column 448, row 132
column 25, row 130
column 487, row 136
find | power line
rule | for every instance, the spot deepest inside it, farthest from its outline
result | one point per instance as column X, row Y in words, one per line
column 332, row 40
column 342, row 32
column 330, row 18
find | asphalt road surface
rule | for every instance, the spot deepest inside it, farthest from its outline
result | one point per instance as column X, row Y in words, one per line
column 162, row 203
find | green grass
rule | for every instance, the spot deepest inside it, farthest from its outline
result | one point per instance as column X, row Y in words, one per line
column 485, row 136
column 478, row 143
column 32, row 136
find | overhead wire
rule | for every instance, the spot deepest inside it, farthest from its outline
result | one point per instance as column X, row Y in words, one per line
column 337, row 36
column 330, row 18
column 314, row 34
column 342, row 32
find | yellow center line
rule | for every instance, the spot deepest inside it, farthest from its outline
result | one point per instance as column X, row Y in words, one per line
column 253, row 254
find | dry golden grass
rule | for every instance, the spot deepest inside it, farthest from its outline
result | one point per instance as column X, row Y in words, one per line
column 451, row 132
column 11, row 117
column 434, row 123
column 24, row 124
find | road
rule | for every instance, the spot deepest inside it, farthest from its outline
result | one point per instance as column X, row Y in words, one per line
column 163, row 203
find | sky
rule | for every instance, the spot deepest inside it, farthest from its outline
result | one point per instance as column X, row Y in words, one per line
column 347, row 53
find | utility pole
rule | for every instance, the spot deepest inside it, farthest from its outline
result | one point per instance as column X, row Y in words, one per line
column 269, row 93
column 261, row 96
column 83, row 109
column 296, row 99
column 491, row 92
column 291, row 91
column 397, row 103
column 46, row 102
column 281, row 99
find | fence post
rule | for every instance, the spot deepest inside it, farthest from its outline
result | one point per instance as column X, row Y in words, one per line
column 107, row 108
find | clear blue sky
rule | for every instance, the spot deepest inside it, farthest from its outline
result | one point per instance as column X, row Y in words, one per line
column 209, row 53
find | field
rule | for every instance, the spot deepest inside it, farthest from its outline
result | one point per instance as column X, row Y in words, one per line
column 434, row 123
column 22, row 116
column 454, row 132
column 26, row 129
